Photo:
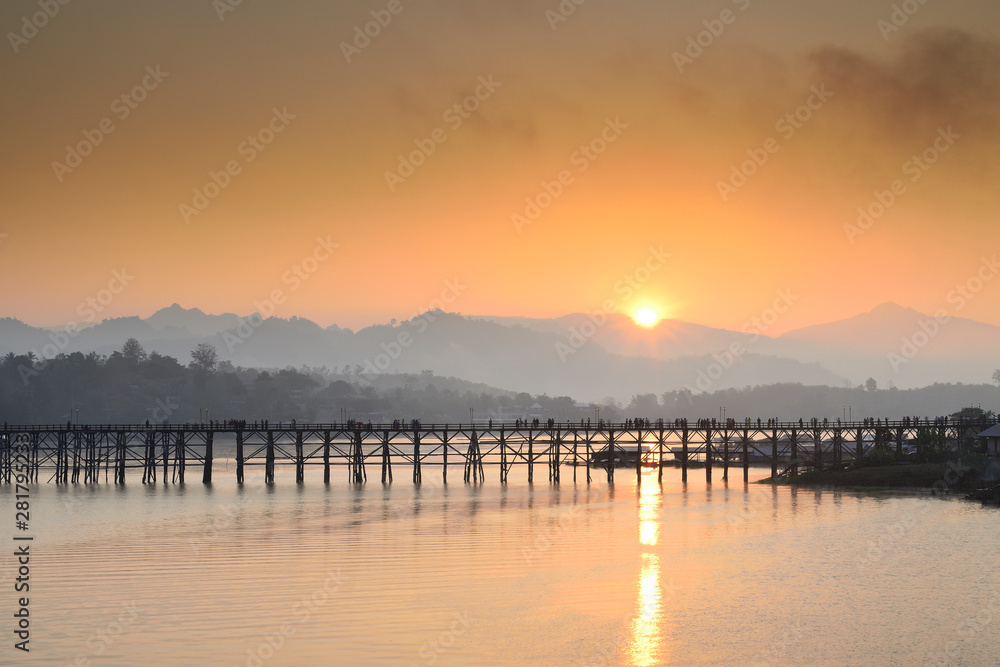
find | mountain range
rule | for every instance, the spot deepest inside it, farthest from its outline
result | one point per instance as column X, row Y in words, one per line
column 580, row 355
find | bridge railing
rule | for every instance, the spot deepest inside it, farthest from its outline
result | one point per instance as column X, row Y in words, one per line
column 232, row 427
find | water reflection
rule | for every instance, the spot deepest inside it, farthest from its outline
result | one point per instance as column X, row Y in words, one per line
column 646, row 627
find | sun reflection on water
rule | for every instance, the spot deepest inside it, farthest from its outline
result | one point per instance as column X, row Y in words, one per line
column 646, row 627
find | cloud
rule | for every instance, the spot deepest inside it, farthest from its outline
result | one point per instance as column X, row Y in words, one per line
column 938, row 77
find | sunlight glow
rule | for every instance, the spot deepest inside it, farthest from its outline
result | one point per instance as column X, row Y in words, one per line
column 646, row 317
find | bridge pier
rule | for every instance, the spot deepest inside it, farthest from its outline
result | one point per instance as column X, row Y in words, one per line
column 708, row 455
column 206, row 474
column 358, row 473
column 444, row 452
column 269, row 458
column 504, row 467
column 386, row 460
column 417, row 476
column 746, row 454
column 326, row 457
column 300, row 459
column 609, row 464
column 531, row 456
column 239, row 456
column 684, row 453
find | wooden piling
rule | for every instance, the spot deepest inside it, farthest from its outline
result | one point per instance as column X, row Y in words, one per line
column 746, row 454
column 417, row 475
column 166, row 455
column 818, row 447
column 684, row 453
column 269, row 458
column 239, row 456
column 659, row 458
column 638, row 457
column 326, row 457
column 725, row 455
column 120, row 458
column 206, row 474
column 531, row 456
column 386, row 460
column 555, row 451
column 358, row 473
column 774, row 453
column 503, row 456
column 576, row 457
column 708, row 454
column 444, row 463
column 300, row 459
column 610, row 462
column 794, row 444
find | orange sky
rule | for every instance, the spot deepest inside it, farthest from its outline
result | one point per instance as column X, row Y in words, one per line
column 656, row 185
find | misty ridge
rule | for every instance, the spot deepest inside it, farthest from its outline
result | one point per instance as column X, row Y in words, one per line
column 603, row 359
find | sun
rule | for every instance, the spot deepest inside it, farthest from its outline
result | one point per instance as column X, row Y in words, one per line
column 646, row 317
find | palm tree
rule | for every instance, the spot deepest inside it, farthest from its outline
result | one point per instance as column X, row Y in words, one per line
column 996, row 376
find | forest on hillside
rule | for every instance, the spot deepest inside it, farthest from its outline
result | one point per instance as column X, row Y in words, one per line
column 130, row 386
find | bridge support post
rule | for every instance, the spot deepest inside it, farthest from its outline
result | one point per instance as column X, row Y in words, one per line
column 444, row 463
column 300, row 459
column 725, row 455
column 659, row 458
column 206, row 475
column 239, row 456
column 684, row 453
column 638, row 457
column 326, row 457
column 269, row 458
column 120, row 458
column 531, row 456
column 708, row 454
column 610, row 464
column 386, row 460
column 416, row 456
column 746, row 454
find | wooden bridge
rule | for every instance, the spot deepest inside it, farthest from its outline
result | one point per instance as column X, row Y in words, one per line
column 71, row 454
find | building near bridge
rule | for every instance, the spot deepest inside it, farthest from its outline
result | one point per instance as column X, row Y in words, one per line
column 992, row 436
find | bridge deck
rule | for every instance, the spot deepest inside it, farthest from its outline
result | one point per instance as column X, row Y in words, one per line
column 73, row 454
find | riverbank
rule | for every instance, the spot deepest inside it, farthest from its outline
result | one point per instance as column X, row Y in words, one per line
column 907, row 476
